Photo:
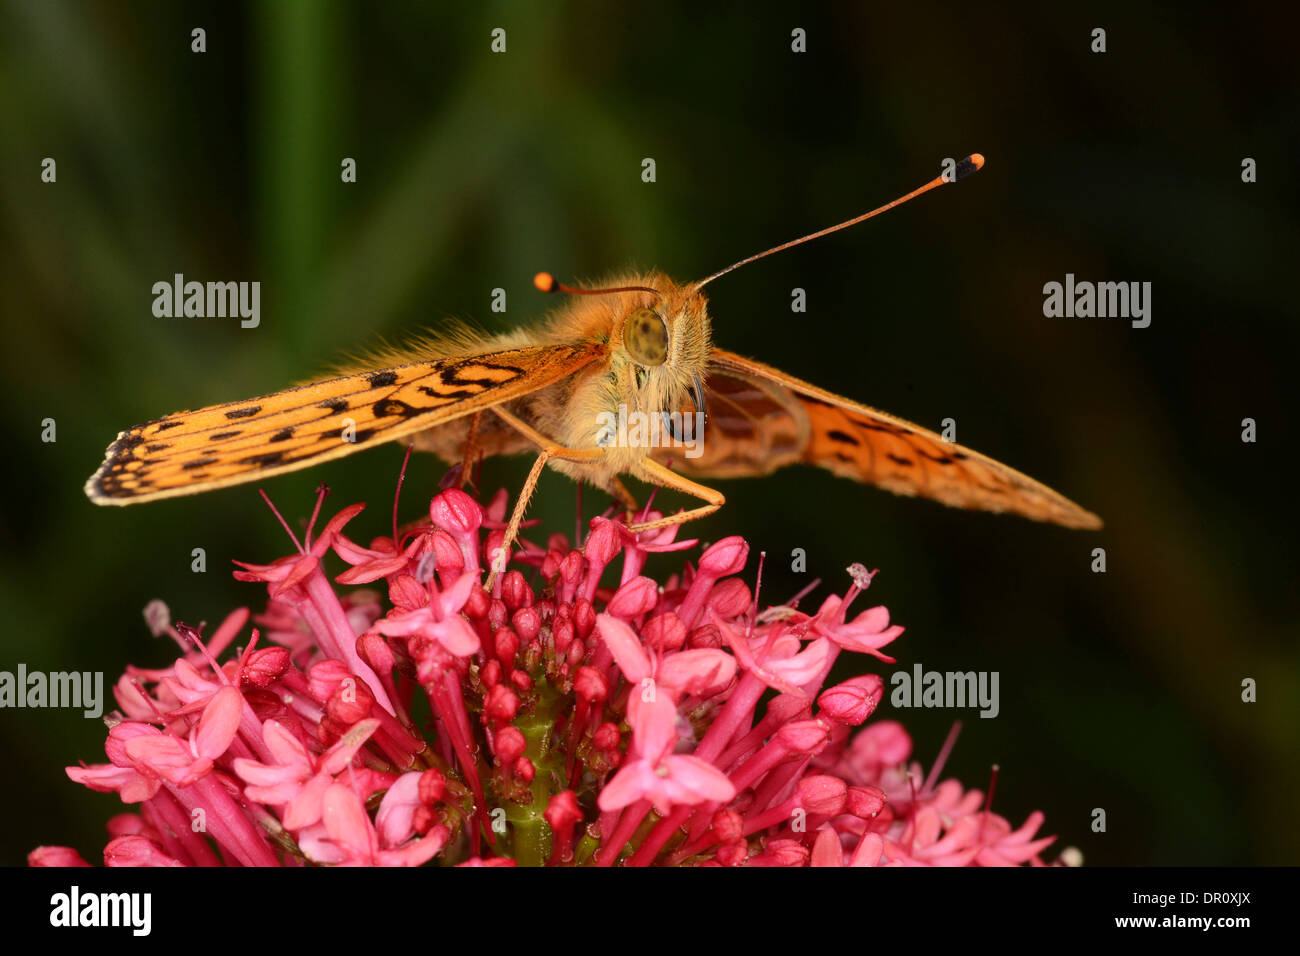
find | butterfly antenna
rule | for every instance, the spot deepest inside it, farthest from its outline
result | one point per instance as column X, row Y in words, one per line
column 971, row 164
column 546, row 282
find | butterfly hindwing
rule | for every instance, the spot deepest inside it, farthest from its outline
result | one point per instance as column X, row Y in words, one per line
column 761, row 419
column 241, row 441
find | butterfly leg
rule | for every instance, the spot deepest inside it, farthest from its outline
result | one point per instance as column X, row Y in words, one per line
column 655, row 473
column 549, row 450
column 471, row 451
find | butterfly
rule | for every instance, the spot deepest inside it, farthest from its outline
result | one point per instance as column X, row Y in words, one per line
column 638, row 350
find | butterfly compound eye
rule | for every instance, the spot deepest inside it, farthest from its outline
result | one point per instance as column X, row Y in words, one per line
column 645, row 335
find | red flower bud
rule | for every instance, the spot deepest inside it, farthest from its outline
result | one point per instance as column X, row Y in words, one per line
column 433, row 784
column 634, row 598
column 728, row 826
column 823, row 794
column 527, row 623
column 515, row 591
column 606, row 737
column 509, row 744
column 507, row 645
column 865, row 802
column 265, row 665
column 664, row 632
column 584, row 618
column 729, row 598
column 456, row 511
column 590, row 685
column 501, row 704
column 854, row 700
column 727, row 556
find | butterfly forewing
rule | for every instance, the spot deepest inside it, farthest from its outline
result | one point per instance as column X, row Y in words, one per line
column 761, row 419
column 242, row 441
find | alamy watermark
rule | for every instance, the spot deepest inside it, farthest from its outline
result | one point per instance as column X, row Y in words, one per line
column 950, row 689
column 84, row 690
column 1102, row 300
column 210, row 300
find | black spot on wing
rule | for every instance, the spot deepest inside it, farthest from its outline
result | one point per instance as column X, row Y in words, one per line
column 334, row 405
column 221, row 436
column 836, row 435
column 166, row 425
column 248, row 412
column 198, row 463
column 284, row 434
column 382, row 379
column 265, row 458
column 899, row 460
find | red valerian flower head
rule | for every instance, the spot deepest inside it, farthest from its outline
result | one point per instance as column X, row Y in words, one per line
column 661, row 720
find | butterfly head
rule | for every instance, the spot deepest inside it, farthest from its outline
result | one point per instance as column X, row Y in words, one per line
column 658, row 335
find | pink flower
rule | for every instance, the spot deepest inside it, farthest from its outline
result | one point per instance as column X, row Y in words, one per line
column 665, row 779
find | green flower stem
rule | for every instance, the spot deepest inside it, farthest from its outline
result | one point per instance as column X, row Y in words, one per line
column 531, row 833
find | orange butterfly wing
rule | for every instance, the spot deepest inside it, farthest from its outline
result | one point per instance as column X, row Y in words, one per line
column 228, row 444
column 761, row 419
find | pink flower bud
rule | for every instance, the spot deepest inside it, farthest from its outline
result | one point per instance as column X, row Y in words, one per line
column 407, row 593
column 803, row 736
column 490, row 673
column 729, row 598
column 584, row 618
column 510, row 744
column 728, row 826
column 507, row 645
column 376, row 652
column 702, row 637
column 606, row 737
column 603, row 543
column 786, row 853
column 456, row 511
column 823, row 794
column 562, row 635
column 733, row 854
column 664, row 632
column 550, row 565
column 497, row 614
column 478, row 603
column 589, row 684
column 727, row 556
column 524, row 770
column 865, row 802
column 527, row 624
column 573, row 569
column 433, row 784
column 501, row 704
column 446, row 552
column 350, row 702
column 264, row 666
column 853, row 701
column 521, row 680
column 636, row 597
column 562, row 811
column 577, row 651
column 515, row 591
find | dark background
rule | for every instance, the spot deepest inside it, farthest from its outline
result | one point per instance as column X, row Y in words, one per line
column 1118, row 690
